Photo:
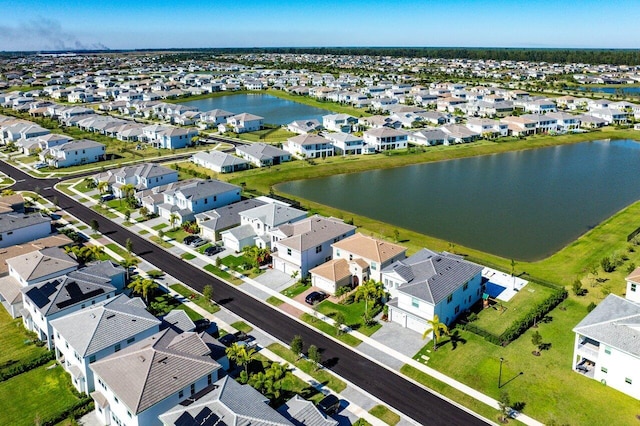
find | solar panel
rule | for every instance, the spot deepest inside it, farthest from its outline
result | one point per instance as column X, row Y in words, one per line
column 185, row 419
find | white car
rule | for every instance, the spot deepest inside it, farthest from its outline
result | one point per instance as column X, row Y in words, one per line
column 39, row 166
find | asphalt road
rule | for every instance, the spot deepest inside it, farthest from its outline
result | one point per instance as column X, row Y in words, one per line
column 415, row 402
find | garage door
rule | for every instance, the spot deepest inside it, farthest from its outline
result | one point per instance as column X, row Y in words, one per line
column 415, row 325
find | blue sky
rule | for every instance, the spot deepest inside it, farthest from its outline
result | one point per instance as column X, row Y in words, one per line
column 117, row 24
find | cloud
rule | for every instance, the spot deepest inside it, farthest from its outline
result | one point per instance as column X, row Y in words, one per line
column 43, row 34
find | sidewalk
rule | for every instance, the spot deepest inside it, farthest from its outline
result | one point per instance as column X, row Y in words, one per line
column 371, row 349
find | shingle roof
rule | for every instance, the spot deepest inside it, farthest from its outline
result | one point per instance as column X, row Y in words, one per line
column 100, row 326
column 156, row 367
column 13, row 221
column 614, row 322
column 219, row 159
column 41, row 263
column 227, row 216
column 369, row 247
column 274, row 214
column 301, row 412
column 203, row 189
column 313, row 231
column 261, row 151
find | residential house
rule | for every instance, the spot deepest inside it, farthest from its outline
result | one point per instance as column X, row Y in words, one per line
column 242, row 123
column 488, row 129
column 428, row 284
column 302, row 412
column 175, row 138
column 565, row 122
column 519, row 126
column 220, row 162
column 305, row 244
column 607, row 345
column 344, row 123
column 633, row 286
column 143, row 176
column 458, row 133
column 376, row 253
column 214, row 118
column 18, row 228
column 336, row 273
column 544, row 122
column 539, row 106
column 346, row 143
column 73, row 153
column 91, row 334
column 13, row 203
column 428, row 137
column 309, row 146
column 261, row 155
column 588, row 121
column 137, row 384
column 610, row 115
column 384, row 139
column 213, row 222
column 198, row 196
column 302, row 127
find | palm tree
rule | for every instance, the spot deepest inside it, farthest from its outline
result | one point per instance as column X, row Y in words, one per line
column 102, row 187
column 241, row 355
column 128, row 190
column 369, row 290
column 173, row 219
column 437, row 329
column 129, row 262
column 143, row 287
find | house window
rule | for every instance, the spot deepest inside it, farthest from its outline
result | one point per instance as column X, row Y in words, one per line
column 215, row 198
column 633, row 286
column 318, row 249
column 457, row 310
column 607, row 351
column 465, row 286
column 117, row 347
column 627, row 380
column 115, row 398
column 450, row 298
column 206, row 201
column 131, row 340
column 373, row 266
column 603, row 369
column 92, row 358
column 181, row 394
column 337, row 251
column 288, row 252
column 193, row 388
column 415, row 302
column 129, row 414
column 209, row 379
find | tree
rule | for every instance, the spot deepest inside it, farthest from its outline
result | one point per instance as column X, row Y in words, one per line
column 129, row 246
column 241, row 355
column 315, row 356
column 173, row 219
column 128, row 263
column 536, row 340
column 102, row 187
column 95, row 226
column 128, row 190
column 607, row 264
column 577, row 287
column 143, row 287
column 297, row 345
column 396, row 235
column 437, row 329
column 369, row 291
column 127, row 215
column 144, row 212
column 339, row 320
column 207, row 292
column 504, row 404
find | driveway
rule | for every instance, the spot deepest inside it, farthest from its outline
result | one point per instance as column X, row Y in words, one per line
column 275, row 280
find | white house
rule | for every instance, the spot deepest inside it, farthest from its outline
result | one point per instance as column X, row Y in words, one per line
column 607, row 345
column 339, row 122
column 610, row 115
column 17, row 228
column 565, row 122
column 302, row 127
column 175, row 137
column 73, row 153
column 384, row 139
column 488, row 128
column 633, row 286
column 91, row 334
column 305, row 244
column 134, row 386
column 428, row 137
column 261, row 154
column 143, row 176
column 244, row 122
column 428, row 284
column 309, row 146
column 219, row 162
column 213, row 222
column 539, row 106
column 346, row 143
column 544, row 122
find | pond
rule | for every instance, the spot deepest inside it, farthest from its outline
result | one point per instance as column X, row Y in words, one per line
column 274, row 110
column 523, row 205
column 613, row 90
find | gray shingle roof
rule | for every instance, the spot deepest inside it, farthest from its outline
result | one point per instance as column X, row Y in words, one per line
column 227, row 216
column 614, row 322
column 156, row 367
column 219, row 159
column 274, row 214
column 262, row 151
column 103, row 325
column 301, row 412
column 13, row 221
column 41, row 263
column 205, row 188
column 432, row 277
column 313, row 231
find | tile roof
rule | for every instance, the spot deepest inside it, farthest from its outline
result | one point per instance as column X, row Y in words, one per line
column 312, row 231
column 301, row 412
column 13, row 221
column 369, row 247
column 274, row 214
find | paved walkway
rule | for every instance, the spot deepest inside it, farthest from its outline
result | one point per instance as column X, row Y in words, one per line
column 378, row 349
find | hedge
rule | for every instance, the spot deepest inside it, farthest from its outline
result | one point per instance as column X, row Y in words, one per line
column 21, row 368
column 75, row 411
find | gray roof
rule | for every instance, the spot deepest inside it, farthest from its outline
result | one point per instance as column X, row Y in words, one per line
column 242, row 232
column 261, row 151
column 432, row 277
column 313, row 231
column 157, row 367
column 219, row 159
column 100, row 326
column 225, row 401
column 13, row 221
column 179, row 320
column 204, row 188
column 301, row 412
column 100, row 269
column 614, row 322
column 56, row 295
column 308, row 139
column 274, row 214
column 78, row 144
column 227, row 216
column 41, row 263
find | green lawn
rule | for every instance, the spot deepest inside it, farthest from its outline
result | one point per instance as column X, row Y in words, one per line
column 272, row 300
column 104, row 211
column 498, row 317
column 143, row 232
column 242, row 326
column 163, row 303
column 187, row 256
column 36, row 394
column 178, row 234
column 17, row 343
column 330, row 330
column 323, row 376
column 548, row 387
column 196, row 298
column 384, row 414
column 160, row 241
column 352, row 314
column 223, row 274
column 278, row 134
column 296, row 289
column 237, row 263
column 159, row 226
column 117, row 250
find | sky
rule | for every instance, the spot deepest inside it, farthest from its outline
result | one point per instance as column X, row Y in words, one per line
column 149, row 24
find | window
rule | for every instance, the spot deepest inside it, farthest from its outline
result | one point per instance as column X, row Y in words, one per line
column 627, row 380
column 193, row 388
column 181, row 394
column 92, row 358
column 450, row 298
column 117, row 347
column 633, row 286
column 607, row 351
column 318, row 249
column 131, row 340
column 373, row 266
column 603, row 369
column 457, row 310
column 209, row 379
column 288, row 252
column 415, row 302
column 465, row 286
column 337, row 251
column 115, row 398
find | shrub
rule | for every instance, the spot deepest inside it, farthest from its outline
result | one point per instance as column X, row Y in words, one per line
column 591, row 307
column 607, row 264
column 26, row 366
column 577, row 288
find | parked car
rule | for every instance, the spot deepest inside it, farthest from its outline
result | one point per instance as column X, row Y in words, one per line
column 189, row 239
column 231, row 338
column 210, row 251
column 315, row 297
column 330, row 404
column 107, row 197
column 198, row 242
column 39, row 166
column 202, row 324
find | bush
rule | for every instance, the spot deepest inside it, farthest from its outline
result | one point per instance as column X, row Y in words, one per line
column 577, row 288
column 591, row 307
column 607, row 264
column 26, row 366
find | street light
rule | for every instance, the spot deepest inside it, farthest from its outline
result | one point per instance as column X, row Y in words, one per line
column 500, row 374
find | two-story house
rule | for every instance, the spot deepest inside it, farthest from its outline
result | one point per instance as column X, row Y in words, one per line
column 73, row 153
column 384, row 138
column 242, row 123
column 346, row 143
column 309, row 146
column 17, row 228
column 143, row 176
column 339, row 122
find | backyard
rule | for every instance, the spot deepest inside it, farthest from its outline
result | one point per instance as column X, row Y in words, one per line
column 16, row 342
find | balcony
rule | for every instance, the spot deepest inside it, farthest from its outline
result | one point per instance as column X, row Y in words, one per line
column 589, row 349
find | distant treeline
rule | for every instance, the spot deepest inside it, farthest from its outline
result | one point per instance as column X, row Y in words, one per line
column 590, row 56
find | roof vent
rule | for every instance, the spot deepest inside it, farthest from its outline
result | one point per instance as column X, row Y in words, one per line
column 111, row 316
column 141, row 358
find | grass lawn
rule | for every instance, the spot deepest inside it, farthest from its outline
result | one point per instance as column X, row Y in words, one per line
column 330, row 330
column 143, row 232
column 160, row 241
column 296, row 289
column 272, row 300
column 103, row 211
column 119, row 205
column 237, row 263
column 163, row 303
column 242, row 326
column 159, row 226
column 352, row 315
column 384, row 414
column 35, row 394
column 323, row 376
column 117, row 250
column 223, row 274
column 331, row 106
column 16, row 342
column 178, row 234
column 278, row 134
column 188, row 256
column 496, row 320
column 198, row 299
column 548, row 387
column 65, row 189
column 81, row 227
column 84, row 186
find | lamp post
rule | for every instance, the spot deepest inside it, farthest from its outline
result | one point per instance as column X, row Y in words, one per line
column 500, row 374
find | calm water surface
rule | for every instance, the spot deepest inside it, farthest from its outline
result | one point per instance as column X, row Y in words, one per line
column 273, row 109
column 524, row 205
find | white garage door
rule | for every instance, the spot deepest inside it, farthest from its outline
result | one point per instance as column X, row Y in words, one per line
column 415, row 325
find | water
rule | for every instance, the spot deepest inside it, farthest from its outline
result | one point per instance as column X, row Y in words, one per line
column 273, row 109
column 612, row 90
column 523, row 205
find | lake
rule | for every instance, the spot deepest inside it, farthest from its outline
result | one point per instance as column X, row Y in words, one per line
column 524, row 205
column 273, row 109
column 612, row 90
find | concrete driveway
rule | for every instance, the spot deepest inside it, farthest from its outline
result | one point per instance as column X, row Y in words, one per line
column 275, row 280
